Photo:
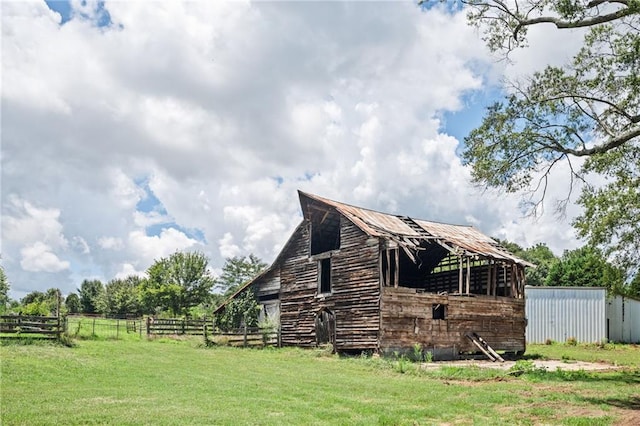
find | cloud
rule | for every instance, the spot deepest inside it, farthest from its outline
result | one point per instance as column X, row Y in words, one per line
column 221, row 111
column 39, row 258
column 110, row 243
column 150, row 248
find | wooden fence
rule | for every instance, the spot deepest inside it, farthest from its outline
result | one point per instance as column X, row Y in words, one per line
column 246, row 336
column 178, row 326
column 31, row 326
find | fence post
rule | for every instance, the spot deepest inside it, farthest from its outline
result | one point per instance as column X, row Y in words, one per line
column 93, row 330
column 184, row 323
column 148, row 326
column 244, row 340
column 117, row 329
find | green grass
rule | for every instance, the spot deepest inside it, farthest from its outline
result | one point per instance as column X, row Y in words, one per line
column 104, row 328
column 165, row 381
column 616, row 354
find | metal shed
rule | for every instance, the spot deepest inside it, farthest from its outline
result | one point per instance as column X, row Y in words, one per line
column 623, row 319
column 560, row 313
column 583, row 313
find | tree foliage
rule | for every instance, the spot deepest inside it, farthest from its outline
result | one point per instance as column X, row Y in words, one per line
column 588, row 108
column 539, row 254
column 122, row 296
column 177, row 283
column 241, row 310
column 4, row 291
column 72, row 302
column 586, row 267
column 91, row 292
column 39, row 303
column 237, row 271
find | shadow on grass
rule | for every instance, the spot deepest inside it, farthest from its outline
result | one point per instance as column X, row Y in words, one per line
column 630, row 403
column 618, row 377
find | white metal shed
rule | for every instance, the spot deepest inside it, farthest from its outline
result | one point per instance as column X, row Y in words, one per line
column 560, row 313
column 623, row 319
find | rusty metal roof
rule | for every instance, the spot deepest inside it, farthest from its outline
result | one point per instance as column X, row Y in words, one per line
column 459, row 239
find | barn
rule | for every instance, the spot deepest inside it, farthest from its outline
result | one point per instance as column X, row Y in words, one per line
column 365, row 280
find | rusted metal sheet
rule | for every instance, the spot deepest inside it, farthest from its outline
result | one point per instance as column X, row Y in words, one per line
column 464, row 240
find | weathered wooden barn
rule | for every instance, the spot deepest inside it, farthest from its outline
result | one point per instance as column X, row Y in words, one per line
column 365, row 280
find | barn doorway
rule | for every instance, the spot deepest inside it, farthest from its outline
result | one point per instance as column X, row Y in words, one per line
column 325, row 327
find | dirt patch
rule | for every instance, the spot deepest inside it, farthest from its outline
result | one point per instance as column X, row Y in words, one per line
column 549, row 365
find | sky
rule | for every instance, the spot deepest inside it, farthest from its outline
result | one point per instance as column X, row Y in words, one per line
column 133, row 129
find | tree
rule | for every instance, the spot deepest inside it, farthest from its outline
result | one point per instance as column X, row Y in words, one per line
column 121, row 296
column 633, row 290
column 241, row 310
column 540, row 255
column 4, row 291
column 178, row 282
column 72, row 302
column 586, row 267
column 589, row 109
column 237, row 271
column 39, row 303
column 544, row 259
column 90, row 292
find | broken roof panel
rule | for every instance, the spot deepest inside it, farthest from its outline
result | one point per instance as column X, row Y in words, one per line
column 461, row 239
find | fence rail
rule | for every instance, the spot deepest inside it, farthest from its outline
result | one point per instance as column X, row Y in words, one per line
column 161, row 326
column 31, row 326
column 246, row 337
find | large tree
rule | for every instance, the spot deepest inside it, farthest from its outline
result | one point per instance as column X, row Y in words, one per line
column 91, row 293
column 177, row 283
column 586, row 267
column 121, row 296
column 72, row 302
column 588, row 109
column 236, row 271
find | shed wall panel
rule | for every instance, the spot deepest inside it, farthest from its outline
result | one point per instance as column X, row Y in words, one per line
column 623, row 319
column 560, row 313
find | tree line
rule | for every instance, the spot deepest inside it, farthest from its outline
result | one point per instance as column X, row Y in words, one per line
column 183, row 285
column 176, row 286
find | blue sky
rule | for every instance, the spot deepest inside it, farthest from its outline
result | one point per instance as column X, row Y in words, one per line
column 191, row 125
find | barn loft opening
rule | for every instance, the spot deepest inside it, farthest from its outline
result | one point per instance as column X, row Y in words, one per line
column 434, row 269
column 325, row 230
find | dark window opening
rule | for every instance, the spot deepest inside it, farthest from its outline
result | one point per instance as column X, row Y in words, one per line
column 325, row 231
column 267, row 297
column 439, row 311
column 325, row 275
column 389, row 267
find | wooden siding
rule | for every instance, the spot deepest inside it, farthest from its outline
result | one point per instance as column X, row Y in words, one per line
column 354, row 297
column 407, row 319
column 268, row 284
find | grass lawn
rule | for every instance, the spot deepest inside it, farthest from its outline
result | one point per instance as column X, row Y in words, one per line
column 616, row 354
column 164, row 382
